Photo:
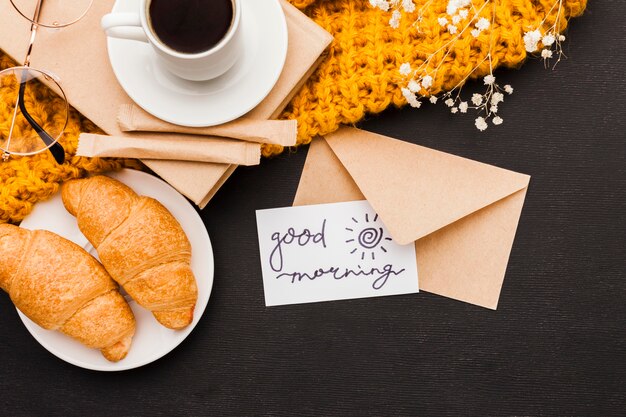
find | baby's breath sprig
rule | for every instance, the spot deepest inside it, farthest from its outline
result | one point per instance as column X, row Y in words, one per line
column 486, row 104
column 395, row 6
column 462, row 16
column 422, row 78
column 547, row 40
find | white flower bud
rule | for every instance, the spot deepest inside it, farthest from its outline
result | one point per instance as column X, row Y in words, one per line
column 480, row 123
column 405, row 69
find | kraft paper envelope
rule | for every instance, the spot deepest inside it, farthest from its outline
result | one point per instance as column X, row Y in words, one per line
column 461, row 214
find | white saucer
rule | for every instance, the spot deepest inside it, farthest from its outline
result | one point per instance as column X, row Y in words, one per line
column 205, row 103
column 151, row 340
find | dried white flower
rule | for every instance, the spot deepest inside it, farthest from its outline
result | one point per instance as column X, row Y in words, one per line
column 483, row 24
column 461, row 16
column 452, row 7
column 531, row 39
column 427, row 82
column 380, row 4
column 497, row 98
column 414, row 86
column 548, row 40
column 394, row 21
column 408, row 6
column 410, row 98
column 489, row 79
column 405, row 69
column 480, row 123
column 455, row 5
column 477, row 99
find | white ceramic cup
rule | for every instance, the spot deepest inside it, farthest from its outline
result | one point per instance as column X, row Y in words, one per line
column 196, row 67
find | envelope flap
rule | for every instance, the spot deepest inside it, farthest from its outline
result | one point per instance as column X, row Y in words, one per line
column 416, row 190
column 324, row 179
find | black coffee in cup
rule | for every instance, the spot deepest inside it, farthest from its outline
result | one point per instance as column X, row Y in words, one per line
column 190, row 26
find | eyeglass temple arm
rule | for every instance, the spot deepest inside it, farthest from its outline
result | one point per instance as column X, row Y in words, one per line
column 56, row 149
column 33, row 31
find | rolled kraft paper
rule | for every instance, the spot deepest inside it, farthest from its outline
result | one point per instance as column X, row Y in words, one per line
column 171, row 147
column 132, row 118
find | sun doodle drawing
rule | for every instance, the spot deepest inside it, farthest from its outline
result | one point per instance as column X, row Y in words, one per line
column 366, row 237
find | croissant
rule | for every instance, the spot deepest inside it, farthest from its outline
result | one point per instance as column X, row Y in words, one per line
column 59, row 286
column 140, row 244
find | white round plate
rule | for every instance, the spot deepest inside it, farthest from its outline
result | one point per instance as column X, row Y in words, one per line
column 151, row 340
column 212, row 102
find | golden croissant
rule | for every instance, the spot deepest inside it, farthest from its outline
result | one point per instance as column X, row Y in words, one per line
column 60, row 286
column 140, row 244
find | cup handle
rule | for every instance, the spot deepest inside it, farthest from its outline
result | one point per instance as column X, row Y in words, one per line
column 123, row 26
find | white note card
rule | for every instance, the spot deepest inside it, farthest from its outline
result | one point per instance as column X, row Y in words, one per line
column 329, row 252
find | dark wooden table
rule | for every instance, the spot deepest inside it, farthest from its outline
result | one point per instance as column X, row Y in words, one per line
column 556, row 346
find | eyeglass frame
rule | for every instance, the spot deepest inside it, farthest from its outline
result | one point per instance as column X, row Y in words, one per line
column 55, row 148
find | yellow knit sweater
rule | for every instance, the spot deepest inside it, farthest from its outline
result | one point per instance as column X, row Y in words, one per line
column 359, row 76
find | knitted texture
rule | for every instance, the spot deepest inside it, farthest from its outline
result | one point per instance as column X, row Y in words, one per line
column 359, row 76
column 27, row 180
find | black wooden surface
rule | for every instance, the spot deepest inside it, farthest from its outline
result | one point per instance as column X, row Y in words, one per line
column 555, row 347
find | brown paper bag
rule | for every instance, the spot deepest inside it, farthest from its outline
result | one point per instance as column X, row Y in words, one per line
column 171, row 147
column 132, row 118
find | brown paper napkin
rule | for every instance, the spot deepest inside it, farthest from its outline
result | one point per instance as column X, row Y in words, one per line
column 176, row 147
column 78, row 54
column 278, row 132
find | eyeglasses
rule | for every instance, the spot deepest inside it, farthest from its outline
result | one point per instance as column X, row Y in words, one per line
column 37, row 116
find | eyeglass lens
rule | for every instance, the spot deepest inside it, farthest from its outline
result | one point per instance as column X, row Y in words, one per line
column 36, row 116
